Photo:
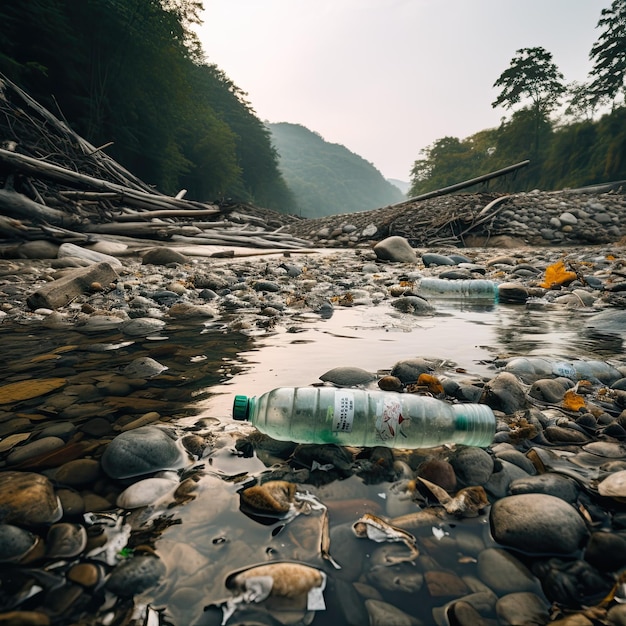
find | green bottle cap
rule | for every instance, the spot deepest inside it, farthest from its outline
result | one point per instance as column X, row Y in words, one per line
column 240, row 408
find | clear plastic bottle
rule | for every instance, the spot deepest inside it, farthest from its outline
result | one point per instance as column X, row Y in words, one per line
column 470, row 289
column 357, row 417
column 533, row 367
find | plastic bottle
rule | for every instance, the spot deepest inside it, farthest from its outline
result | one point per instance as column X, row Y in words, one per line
column 476, row 289
column 533, row 367
column 357, row 417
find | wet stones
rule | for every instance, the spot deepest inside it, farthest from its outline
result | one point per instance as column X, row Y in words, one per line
column 135, row 575
column 142, row 451
column 538, row 524
column 15, row 543
column 348, row 376
column 395, row 249
column 28, row 498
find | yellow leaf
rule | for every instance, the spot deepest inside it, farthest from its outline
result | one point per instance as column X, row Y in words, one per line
column 556, row 275
column 432, row 382
column 27, row 389
column 573, row 401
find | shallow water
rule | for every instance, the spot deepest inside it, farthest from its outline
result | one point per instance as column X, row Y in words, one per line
column 208, row 537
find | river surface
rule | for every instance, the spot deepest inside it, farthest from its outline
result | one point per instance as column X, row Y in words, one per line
column 208, row 537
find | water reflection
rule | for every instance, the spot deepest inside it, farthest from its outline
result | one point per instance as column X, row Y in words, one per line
column 207, row 537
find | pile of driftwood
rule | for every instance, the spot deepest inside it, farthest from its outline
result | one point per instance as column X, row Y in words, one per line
column 55, row 185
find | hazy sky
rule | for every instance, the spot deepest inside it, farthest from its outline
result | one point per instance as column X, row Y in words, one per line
column 386, row 78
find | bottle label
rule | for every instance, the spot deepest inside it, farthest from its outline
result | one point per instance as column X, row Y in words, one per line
column 390, row 422
column 564, row 369
column 344, row 412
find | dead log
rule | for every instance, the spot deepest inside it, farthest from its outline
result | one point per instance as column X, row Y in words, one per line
column 56, row 173
column 17, row 205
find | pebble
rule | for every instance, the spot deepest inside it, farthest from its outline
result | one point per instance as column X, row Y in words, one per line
column 145, row 450
column 537, row 524
column 15, row 543
column 135, row 575
column 348, row 376
column 538, row 500
column 28, row 498
column 396, row 250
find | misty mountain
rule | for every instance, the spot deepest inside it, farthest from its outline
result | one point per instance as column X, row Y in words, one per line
column 327, row 178
column 402, row 185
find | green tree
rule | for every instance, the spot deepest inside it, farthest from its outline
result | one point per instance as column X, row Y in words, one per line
column 609, row 54
column 532, row 76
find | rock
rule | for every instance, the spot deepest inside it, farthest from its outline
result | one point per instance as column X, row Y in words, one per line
column 522, row 608
column 185, row 310
column 409, row 370
column 15, row 543
column 606, row 551
column 472, row 466
column 28, row 498
column 503, row 573
column 348, row 376
column 504, row 393
column 430, row 259
column 439, row 472
column 413, row 304
column 443, row 584
column 65, row 541
column 549, row 390
column 144, row 367
column 38, row 249
column 78, row 472
column 537, row 524
column 385, row 614
column 163, row 256
column 395, row 249
column 27, row 389
column 142, row 327
column 34, row 449
column 142, row 451
column 72, row 285
column 145, row 492
column 550, row 484
column 135, row 576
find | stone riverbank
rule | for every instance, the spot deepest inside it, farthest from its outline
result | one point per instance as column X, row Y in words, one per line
column 95, row 464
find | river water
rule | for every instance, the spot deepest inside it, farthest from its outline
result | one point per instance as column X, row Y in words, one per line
column 207, row 537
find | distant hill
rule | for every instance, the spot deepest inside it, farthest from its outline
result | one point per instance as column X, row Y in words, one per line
column 402, row 185
column 326, row 178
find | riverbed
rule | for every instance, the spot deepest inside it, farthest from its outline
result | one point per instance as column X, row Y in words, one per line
column 197, row 529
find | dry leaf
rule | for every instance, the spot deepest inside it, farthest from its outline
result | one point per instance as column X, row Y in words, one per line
column 557, row 275
column 573, row 401
column 431, row 382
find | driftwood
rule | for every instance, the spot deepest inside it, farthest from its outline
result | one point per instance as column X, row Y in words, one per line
column 55, row 185
column 17, row 205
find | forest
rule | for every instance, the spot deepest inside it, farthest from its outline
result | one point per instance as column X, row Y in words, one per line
column 132, row 78
column 573, row 135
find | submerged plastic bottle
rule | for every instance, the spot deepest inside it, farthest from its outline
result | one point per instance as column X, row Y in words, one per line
column 470, row 289
column 357, row 417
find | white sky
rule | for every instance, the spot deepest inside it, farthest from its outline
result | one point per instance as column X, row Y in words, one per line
column 387, row 78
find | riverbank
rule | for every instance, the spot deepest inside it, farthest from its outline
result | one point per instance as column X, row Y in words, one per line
column 119, row 504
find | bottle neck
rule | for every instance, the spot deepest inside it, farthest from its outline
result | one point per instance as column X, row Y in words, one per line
column 251, row 408
column 475, row 424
